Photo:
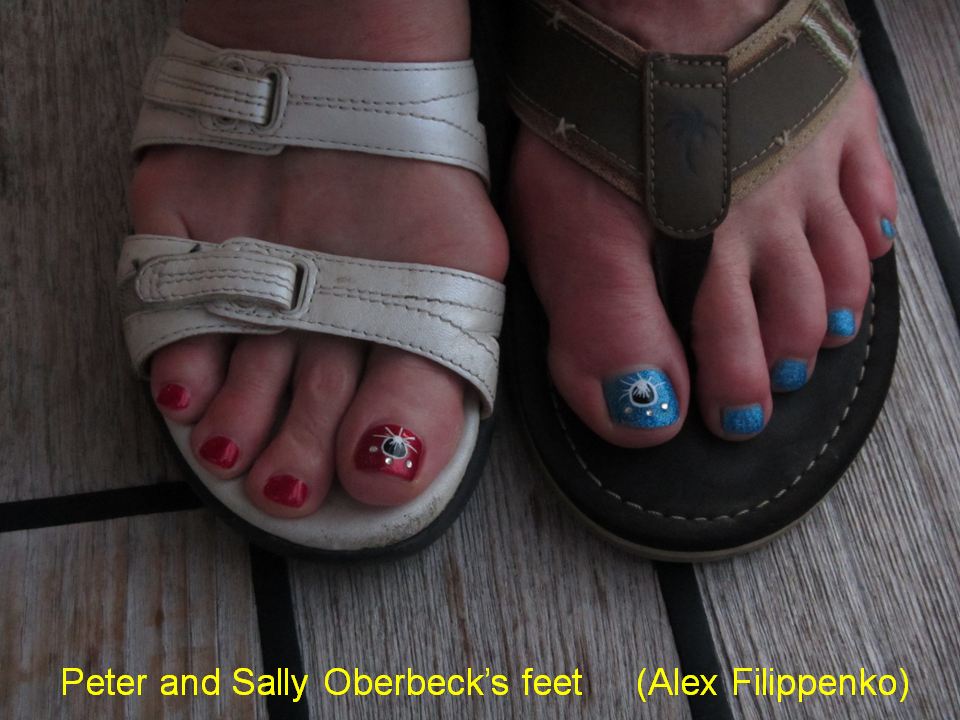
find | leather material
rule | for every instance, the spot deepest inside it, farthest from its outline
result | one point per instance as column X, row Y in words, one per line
column 685, row 123
column 259, row 102
column 173, row 289
column 758, row 135
column 698, row 497
column 588, row 90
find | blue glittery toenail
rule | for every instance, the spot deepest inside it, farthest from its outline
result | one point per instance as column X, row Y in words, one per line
column 642, row 399
column 888, row 229
column 742, row 420
column 788, row 375
column 840, row 323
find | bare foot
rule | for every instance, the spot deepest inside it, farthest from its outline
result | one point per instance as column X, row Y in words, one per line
column 789, row 271
column 342, row 391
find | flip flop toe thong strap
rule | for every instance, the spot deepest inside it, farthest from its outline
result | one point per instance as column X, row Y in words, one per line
column 685, row 135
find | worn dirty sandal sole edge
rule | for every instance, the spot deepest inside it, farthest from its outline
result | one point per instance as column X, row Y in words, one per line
column 428, row 533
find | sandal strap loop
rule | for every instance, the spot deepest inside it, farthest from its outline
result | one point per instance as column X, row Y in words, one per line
column 219, row 91
column 221, row 273
column 259, row 102
column 173, row 288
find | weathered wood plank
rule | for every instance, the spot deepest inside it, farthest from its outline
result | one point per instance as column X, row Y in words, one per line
column 74, row 419
column 872, row 578
column 516, row 583
column 163, row 594
column 926, row 37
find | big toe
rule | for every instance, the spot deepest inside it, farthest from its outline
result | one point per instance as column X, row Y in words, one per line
column 402, row 428
column 617, row 361
column 613, row 354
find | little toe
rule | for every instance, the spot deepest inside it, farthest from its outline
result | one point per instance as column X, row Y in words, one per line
column 866, row 179
column 238, row 421
column 293, row 474
column 733, row 380
column 185, row 376
column 402, row 428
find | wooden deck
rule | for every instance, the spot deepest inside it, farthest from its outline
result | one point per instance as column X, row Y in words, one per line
column 106, row 562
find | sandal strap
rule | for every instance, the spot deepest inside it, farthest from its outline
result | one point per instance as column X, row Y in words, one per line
column 259, row 102
column 685, row 135
column 173, row 288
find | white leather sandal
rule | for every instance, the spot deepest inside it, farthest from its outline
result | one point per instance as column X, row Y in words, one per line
column 173, row 288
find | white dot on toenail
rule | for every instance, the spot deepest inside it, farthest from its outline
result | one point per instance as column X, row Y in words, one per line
column 627, row 411
column 409, row 463
column 664, row 406
column 649, row 413
column 389, row 461
column 373, row 448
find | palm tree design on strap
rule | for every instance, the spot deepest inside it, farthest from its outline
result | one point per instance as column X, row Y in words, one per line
column 691, row 130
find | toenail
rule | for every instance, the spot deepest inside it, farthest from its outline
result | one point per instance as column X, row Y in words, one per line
column 840, row 323
column 286, row 490
column 220, row 451
column 390, row 449
column 173, row 397
column 788, row 375
column 889, row 231
column 742, row 420
column 642, row 399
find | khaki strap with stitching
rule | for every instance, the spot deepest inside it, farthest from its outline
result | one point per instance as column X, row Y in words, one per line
column 684, row 135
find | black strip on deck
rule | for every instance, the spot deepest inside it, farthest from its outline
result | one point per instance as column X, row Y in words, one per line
column 911, row 144
column 101, row 505
column 693, row 638
column 678, row 583
column 276, row 618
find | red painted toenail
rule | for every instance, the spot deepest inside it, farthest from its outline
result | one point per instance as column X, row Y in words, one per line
column 220, row 451
column 390, row 449
column 286, row 490
column 173, row 397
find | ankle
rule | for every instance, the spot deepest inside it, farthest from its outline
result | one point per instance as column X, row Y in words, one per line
column 683, row 26
column 373, row 30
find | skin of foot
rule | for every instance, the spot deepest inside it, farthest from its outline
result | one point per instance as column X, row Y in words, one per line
column 295, row 411
column 789, row 271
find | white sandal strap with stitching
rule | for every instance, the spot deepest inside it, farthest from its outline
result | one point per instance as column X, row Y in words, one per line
column 258, row 102
column 173, row 288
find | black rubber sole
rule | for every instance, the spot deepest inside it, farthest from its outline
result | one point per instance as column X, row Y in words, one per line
column 698, row 497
